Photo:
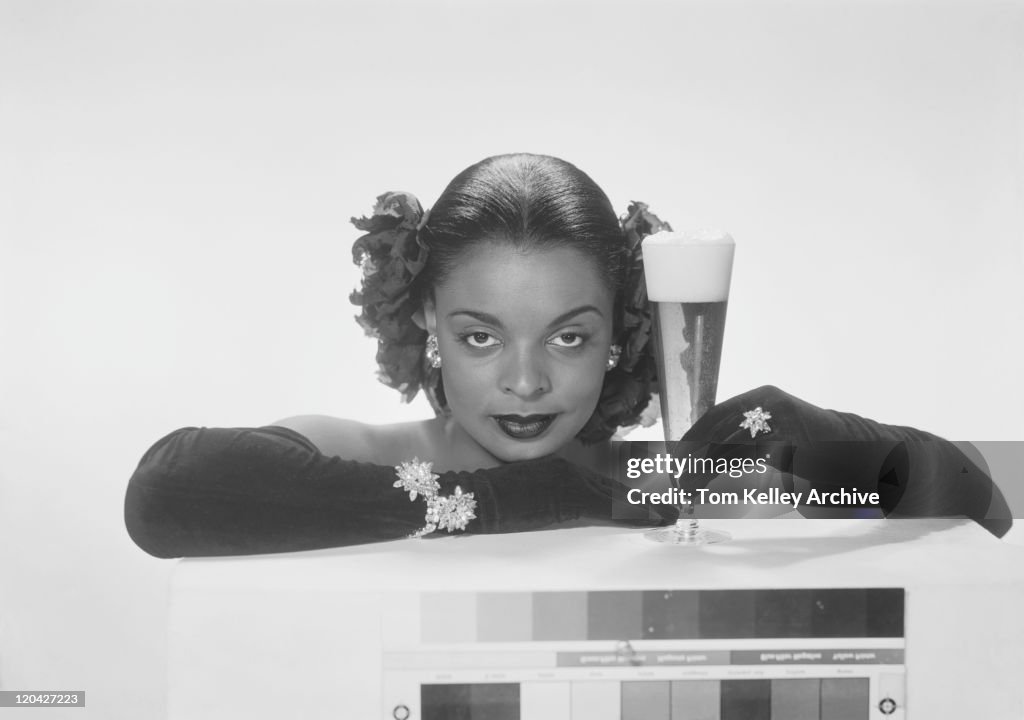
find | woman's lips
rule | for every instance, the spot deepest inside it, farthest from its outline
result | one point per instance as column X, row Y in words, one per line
column 524, row 427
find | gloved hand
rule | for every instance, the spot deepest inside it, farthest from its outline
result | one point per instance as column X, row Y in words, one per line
column 540, row 493
column 915, row 473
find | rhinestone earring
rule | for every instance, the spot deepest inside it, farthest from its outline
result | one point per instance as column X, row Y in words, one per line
column 432, row 352
column 614, row 353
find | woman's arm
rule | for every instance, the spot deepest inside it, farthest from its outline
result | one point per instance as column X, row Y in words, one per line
column 916, row 473
column 345, row 438
column 240, row 491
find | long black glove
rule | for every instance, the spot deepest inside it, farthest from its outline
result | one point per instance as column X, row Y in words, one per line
column 915, row 473
column 241, row 491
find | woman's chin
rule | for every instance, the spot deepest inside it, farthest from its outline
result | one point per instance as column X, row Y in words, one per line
column 524, row 456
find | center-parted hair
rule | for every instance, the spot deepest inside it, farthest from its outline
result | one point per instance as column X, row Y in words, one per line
column 531, row 201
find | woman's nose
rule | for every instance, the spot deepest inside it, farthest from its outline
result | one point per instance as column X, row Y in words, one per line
column 524, row 374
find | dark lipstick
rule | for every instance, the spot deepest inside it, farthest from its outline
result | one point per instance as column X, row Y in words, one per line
column 524, row 427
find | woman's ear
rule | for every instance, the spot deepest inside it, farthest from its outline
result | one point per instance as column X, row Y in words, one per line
column 426, row 318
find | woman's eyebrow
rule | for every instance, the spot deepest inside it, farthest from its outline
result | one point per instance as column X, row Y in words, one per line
column 574, row 312
column 481, row 316
column 492, row 320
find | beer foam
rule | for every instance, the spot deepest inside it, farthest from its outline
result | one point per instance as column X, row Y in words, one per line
column 688, row 267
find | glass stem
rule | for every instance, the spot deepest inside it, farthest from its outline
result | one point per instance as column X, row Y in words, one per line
column 687, row 525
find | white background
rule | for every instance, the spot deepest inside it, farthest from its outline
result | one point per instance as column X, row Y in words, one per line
column 176, row 181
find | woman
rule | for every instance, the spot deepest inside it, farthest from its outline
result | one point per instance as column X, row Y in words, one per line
column 517, row 304
column 505, row 307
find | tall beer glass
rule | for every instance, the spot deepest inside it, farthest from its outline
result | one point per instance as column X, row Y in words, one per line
column 688, row 276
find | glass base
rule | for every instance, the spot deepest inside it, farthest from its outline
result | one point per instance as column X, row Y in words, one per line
column 687, row 532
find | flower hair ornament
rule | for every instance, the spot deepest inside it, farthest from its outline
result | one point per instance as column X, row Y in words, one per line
column 391, row 256
column 628, row 386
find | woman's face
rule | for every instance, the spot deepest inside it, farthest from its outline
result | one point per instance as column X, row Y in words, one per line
column 524, row 339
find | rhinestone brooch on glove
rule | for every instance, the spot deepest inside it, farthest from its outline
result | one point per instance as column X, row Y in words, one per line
column 444, row 512
column 756, row 421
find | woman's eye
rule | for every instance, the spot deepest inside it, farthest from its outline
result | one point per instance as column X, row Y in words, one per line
column 480, row 340
column 569, row 340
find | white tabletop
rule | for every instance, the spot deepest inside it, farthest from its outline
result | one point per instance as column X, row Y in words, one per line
column 299, row 635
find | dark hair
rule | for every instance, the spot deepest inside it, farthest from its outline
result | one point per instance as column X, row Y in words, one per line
column 531, row 201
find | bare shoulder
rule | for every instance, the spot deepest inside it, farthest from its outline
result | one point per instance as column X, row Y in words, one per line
column 354, row 440
column 349, row 439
